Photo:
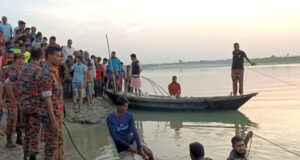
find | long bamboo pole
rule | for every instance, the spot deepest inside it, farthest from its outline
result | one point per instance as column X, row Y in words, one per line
column 111, row 66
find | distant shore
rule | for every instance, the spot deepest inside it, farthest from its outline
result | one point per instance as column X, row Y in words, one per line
column 273, row 60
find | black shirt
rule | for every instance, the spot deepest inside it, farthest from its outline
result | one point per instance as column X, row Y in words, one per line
column 135, row 71
column 238, row 59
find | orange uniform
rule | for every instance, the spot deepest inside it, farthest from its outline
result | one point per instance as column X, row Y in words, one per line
column 49, row 85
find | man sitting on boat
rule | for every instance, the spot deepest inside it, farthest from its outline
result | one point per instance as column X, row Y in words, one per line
column 174, row 88
column 122, row 129
column 239, row 146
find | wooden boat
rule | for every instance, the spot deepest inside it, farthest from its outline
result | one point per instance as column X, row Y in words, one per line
column 188, row 104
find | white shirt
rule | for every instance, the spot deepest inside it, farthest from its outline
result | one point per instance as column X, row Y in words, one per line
column 94, row 69
column 66, row 51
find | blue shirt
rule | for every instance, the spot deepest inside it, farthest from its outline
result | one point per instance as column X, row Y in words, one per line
column 7, row 31
column 78, row 75
column 122, row 70
column 115, row 63
column 123, row 131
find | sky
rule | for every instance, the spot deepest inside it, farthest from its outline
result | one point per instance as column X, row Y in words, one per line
column 162, row 31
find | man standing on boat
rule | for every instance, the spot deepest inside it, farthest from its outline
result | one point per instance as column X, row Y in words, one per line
column 123, row 131
column 136, row 69
column 237, row 69
column 113, row 71
column 174, row 88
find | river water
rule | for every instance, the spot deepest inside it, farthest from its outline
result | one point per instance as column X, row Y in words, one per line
column 274, row 114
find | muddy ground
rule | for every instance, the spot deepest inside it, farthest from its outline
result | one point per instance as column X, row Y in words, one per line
column 87, row 115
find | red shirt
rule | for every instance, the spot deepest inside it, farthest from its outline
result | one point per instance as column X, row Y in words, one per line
column 174, row 88
column 4, row 57
column 99, row 72
column 2, row 41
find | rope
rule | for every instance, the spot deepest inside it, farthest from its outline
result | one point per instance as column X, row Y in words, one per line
column 157, row 85
column 294, row 153
column 161, row 92
column 269, row 76
column 153, row 85
column 153, row 88
column 73, row 142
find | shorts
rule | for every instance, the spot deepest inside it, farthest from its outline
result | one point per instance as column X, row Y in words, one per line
column 89, row 89
column 127, row 155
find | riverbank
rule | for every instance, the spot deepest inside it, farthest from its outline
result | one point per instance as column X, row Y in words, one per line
column 88, row 115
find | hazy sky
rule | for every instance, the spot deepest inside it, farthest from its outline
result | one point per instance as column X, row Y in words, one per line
column 165, row 30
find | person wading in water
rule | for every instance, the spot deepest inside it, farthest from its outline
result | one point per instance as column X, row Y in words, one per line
column 237, row 69
column 239, row 146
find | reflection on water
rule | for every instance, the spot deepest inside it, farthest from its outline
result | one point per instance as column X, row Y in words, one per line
column 273, row 114
column 95, row 139
column 224, row 119
column 88, row 138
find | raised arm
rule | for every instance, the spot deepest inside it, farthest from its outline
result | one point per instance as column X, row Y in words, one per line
column 248, row 137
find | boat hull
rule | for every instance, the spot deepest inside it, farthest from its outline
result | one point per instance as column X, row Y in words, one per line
column 189, row 104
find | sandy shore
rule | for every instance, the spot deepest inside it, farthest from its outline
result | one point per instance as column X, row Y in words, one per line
column 88, row 115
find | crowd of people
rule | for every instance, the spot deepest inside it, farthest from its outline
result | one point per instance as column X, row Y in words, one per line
column 37, row 74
